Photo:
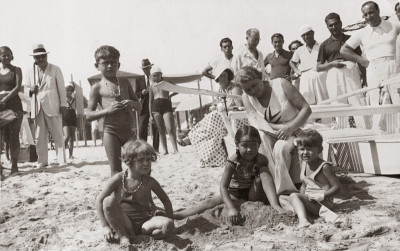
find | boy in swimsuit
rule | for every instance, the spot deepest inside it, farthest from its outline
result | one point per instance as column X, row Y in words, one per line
column 161, row 108
column 319, row 181
column 129, row 213
column 118, row 101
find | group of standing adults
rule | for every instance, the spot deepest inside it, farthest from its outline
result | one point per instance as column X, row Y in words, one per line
column 279, row 104
column 50, row 101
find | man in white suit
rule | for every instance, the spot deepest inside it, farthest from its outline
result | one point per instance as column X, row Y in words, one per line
column 45, row 84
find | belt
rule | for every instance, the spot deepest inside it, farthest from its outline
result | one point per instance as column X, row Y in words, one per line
column 382, row 59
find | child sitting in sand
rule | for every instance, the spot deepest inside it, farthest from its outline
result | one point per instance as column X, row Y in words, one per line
column 319, row 181
column 117, row 99
column 245, row 177
column 129, row 212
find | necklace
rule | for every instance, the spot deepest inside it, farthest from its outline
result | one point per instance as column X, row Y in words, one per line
column 116, row 95
column 130, row 192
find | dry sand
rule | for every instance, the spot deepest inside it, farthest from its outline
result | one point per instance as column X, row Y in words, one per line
column 53, row 209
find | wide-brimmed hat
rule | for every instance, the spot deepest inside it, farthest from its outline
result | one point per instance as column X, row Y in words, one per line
column 304, row 29
column 38, row 49
column 146, row 63
column 231, row 75
column 155, row 69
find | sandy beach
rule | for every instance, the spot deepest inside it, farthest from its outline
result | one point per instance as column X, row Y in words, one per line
column 53, row 209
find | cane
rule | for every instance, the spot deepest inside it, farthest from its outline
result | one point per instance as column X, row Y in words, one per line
column 35, row 97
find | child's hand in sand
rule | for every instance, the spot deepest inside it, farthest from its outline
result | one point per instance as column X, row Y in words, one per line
column 115, row 106
column 107, row 233
column 233, row 216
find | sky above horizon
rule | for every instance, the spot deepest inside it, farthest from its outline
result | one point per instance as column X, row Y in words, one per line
column 180, row 36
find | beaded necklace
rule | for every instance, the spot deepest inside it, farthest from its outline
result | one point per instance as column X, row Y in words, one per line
column 130, row 192
column 116, row 95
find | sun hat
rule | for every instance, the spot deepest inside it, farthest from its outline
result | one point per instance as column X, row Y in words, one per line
column 38, row 49
column 70, row 84
column 231, row 75
column 155, row 69
column 304, row 29
column 146, row 63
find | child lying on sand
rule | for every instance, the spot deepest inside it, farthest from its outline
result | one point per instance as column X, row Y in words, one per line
column 125, row 204
column 319, row 181
column 245, row 177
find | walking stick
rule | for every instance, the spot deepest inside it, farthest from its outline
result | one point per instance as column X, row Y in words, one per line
column 35, row 97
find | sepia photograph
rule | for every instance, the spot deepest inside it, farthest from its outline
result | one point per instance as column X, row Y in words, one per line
column 200, row 125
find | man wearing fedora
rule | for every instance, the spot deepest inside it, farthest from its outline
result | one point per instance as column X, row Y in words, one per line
column 45, row 84
column 141, row 88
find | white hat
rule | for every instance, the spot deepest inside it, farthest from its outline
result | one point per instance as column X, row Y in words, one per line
column 304, row 29
column 70, row 84
column 155, row 69
column 38, row 49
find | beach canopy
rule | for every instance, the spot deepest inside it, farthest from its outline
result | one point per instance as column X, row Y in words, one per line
column 193, row 103
column 120, row 74
column 173, row 78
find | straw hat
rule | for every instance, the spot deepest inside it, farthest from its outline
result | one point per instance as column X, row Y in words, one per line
column 38, row 49
column 155, row 69
column 231, row 75
column 146, row 63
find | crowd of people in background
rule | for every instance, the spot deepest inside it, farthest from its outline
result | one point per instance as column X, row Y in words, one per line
column 268, row 144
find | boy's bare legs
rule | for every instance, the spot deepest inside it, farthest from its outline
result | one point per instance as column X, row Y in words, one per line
column 94, row 136
column 161, row 130
column 117, row 219
column 69, row 135
column 113, row 151
column 171, row 129
column 200, row 208
column 284, row 200
column 158, row 227
column 300, row 209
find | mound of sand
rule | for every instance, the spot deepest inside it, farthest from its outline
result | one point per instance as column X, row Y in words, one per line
column 53, row 209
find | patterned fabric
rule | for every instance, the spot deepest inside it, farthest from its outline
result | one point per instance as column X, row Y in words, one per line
column 229, row 101
column 206, row 137
column 241, row 177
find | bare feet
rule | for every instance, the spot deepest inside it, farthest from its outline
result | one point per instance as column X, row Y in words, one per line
column 124, row 242
column 304, row 223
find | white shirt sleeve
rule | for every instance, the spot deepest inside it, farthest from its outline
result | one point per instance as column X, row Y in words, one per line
column 355, row 40
column 296, row 57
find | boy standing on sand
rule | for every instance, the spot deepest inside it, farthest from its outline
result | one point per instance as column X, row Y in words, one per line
column 117, row 98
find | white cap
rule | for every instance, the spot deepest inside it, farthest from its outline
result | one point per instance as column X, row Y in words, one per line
column 155, row 69
column 304, row 29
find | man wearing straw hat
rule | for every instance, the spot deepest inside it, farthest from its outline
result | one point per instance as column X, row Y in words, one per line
column 142, row 92
column 45, row 84
column 378, row 40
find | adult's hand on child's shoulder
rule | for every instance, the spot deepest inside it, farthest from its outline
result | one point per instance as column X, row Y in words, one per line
column 316, row 196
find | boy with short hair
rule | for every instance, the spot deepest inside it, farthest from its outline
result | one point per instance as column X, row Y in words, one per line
column 117, row 98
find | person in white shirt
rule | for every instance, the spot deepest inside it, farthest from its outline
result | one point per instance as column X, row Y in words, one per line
column 222, row 61
column 378, row 41
column 249, row 55
column 304, row 64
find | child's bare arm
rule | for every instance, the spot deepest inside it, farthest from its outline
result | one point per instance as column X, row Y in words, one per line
column 162, row 195
column 333, row 180
column 133, row 101
column 113, row 184
column 225, row 180
column 94, row 98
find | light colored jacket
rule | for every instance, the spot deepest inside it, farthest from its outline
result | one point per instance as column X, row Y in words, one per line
column 51, row 93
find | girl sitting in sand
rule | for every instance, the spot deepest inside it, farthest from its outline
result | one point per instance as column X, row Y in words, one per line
column 124, row 205
column 319, row 181
column 245, row 177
